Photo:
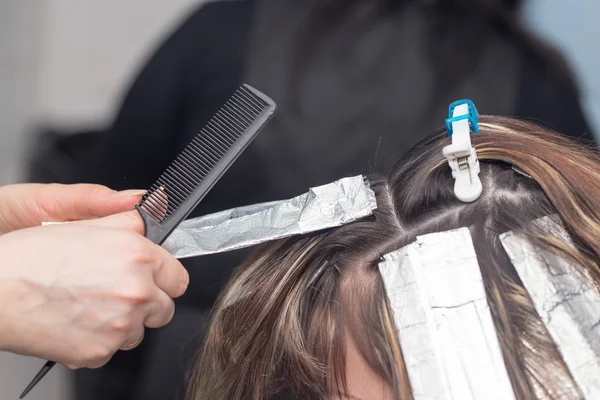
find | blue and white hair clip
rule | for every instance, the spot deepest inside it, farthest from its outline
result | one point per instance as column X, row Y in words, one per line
column 462, row 157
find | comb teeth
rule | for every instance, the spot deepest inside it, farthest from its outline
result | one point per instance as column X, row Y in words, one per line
column 200, row 156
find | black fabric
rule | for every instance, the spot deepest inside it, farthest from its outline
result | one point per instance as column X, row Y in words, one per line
column 367, row 93
column 550, row 104
column 186, row 80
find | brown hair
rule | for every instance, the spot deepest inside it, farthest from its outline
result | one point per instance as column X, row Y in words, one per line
column 281, row 323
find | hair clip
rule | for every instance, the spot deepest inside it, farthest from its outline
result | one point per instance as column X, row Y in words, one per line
column 462, row 157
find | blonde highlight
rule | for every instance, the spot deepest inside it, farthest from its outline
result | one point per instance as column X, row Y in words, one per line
column 282, row 321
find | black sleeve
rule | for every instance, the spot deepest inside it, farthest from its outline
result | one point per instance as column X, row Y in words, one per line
column 199, row 65
column 551, row 102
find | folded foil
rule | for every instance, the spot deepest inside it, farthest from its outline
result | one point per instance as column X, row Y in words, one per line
column 323, row 207
column 444, row 324
column 566, row 300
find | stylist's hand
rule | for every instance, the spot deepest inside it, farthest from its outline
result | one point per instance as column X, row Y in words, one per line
column 79, row 292
column 28, row 205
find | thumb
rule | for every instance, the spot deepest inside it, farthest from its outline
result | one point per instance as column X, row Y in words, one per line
column 132, row 220
column 28, row 205
column 129, row 220
column 55, row 202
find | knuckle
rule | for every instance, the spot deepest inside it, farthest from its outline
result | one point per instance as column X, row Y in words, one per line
column 99, row 353
column 137, row 293
column 93, row 355
column 41, row 192
column 95, row 189
column 121, row 325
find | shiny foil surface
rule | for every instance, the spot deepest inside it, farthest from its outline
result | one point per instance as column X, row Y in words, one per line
column 322, row 207
column 443, row 320
column 566, row 300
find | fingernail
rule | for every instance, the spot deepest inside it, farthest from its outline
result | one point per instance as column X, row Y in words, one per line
column 131, row 193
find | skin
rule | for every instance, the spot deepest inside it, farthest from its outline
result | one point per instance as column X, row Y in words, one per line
column 363, row 383
column 77, row 293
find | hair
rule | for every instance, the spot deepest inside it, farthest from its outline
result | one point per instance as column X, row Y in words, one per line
column 281, row 323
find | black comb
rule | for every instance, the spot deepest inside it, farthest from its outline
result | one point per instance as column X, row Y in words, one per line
column 197, row 169
column 202, row 163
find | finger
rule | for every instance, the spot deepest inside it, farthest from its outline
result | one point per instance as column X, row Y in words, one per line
column 55, row 202
column 95, row 364
column 169, row 274
column 156, row 203
column 133, row 340
column 129, row 220
column 162, row 311
column 32, row 204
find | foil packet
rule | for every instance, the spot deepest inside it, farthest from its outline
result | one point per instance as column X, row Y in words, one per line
column 443, row 320
column 567, row 301
column 322, row 207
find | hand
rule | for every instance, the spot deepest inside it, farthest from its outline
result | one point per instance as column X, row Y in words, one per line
column 77, row 293
column 28, row 205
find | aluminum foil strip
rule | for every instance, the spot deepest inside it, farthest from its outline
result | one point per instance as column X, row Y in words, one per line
column 566, row 300
column 444, row 324
column 323, row 207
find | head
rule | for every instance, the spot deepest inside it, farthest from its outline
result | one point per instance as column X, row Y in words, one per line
column 309, row 315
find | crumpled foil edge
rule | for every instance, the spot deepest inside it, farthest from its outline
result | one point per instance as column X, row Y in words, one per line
column 323, row 207
column 328, row 206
